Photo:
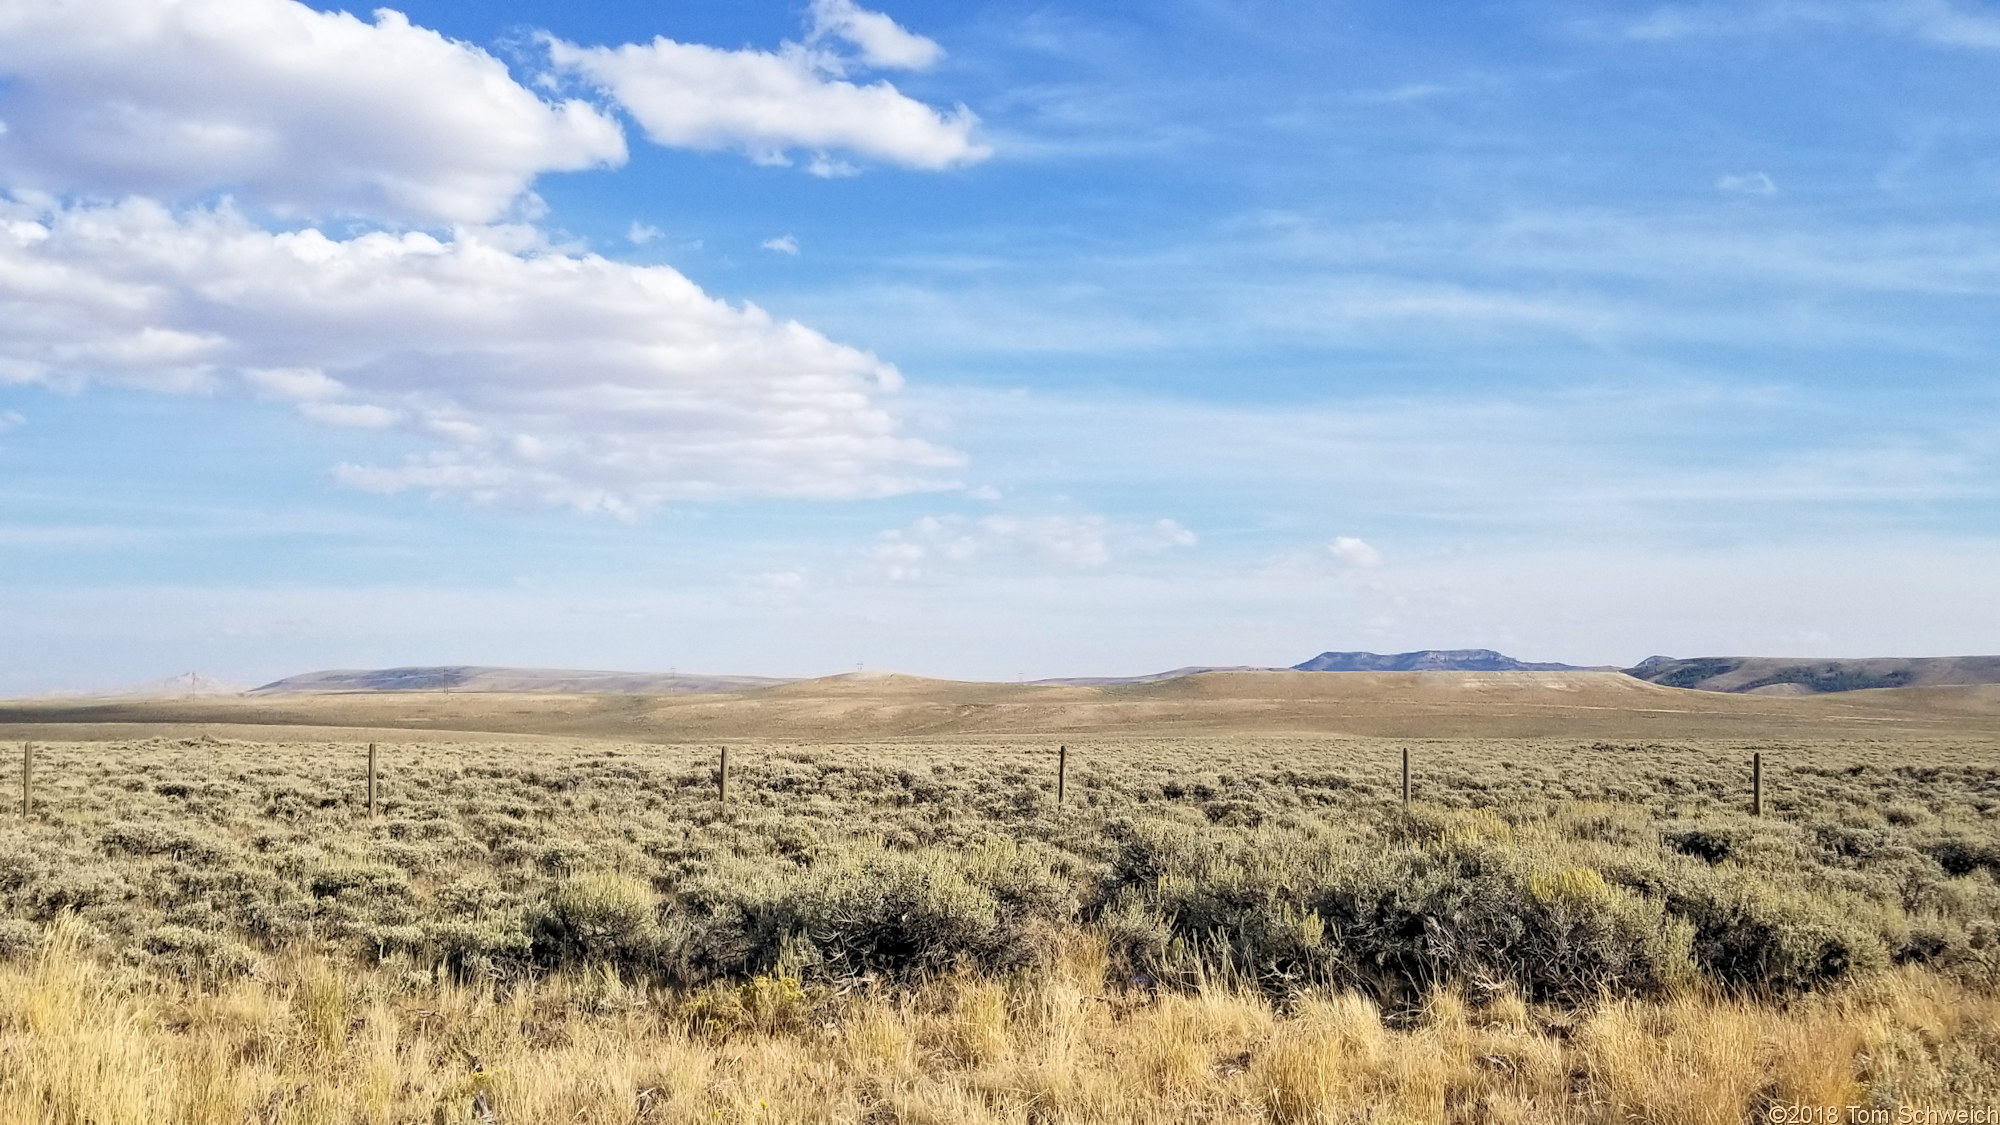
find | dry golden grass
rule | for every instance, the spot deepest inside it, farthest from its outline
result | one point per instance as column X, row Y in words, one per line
column 315, row 1041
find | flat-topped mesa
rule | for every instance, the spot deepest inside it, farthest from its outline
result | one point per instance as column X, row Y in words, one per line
column 1776, row 675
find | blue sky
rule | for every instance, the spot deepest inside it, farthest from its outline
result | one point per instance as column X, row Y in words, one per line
column 986, row 340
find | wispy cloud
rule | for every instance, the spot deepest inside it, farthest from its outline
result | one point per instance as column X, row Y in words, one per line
column 1409, row 92
column 1940, row 22
column 1581, row 292
column 1682, row 21
column 1075, row 542
column 882, row 42
column 1947, row 23
column 1642, row 464
column 1747, row 183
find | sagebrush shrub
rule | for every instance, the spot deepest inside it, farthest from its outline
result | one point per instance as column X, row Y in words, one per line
column 1749, row 933
column 18, row 938
column 201, row 956
column 894, row 912
column 606, row 916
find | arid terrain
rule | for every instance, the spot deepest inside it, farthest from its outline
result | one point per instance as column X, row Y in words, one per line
column 1362, row 704
column 552, row 915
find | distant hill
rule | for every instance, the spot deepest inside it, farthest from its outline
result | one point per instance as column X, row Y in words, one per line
column 1773, row 675
column 557, row 681
column 1152, row 678
column 1567, row 706
column 1755, row 675
column 476, row 678
column 1426, row 660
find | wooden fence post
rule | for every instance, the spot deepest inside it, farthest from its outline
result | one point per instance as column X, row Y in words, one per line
column 722, row 778
column 371, row 781
column 27, row 780
column 1756, row 785
column 1062, row 770
column 1406, row 777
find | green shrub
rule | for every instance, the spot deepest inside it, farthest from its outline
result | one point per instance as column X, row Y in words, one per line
column 1751, row 934
column 83, row 889
column 561, row 857
column 1137, row 934
column 18, row 938
column 1285, row 911
column 606, row 917
column 1850, row 844
column 483, row 948
column 1959, row 855
column 204, row 956
column 1710, row 845
column 361, row 881
column 896, row 913
column 869, row 910
column 166, row 840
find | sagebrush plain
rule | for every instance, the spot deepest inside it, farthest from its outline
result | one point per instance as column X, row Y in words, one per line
column 1211, row 926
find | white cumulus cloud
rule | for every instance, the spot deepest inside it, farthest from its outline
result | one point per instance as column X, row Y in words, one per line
column 1354, row 552
column 308, row 113
column 771, row 103
column 535, row 374
column 527, row 371
column 143, row 136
